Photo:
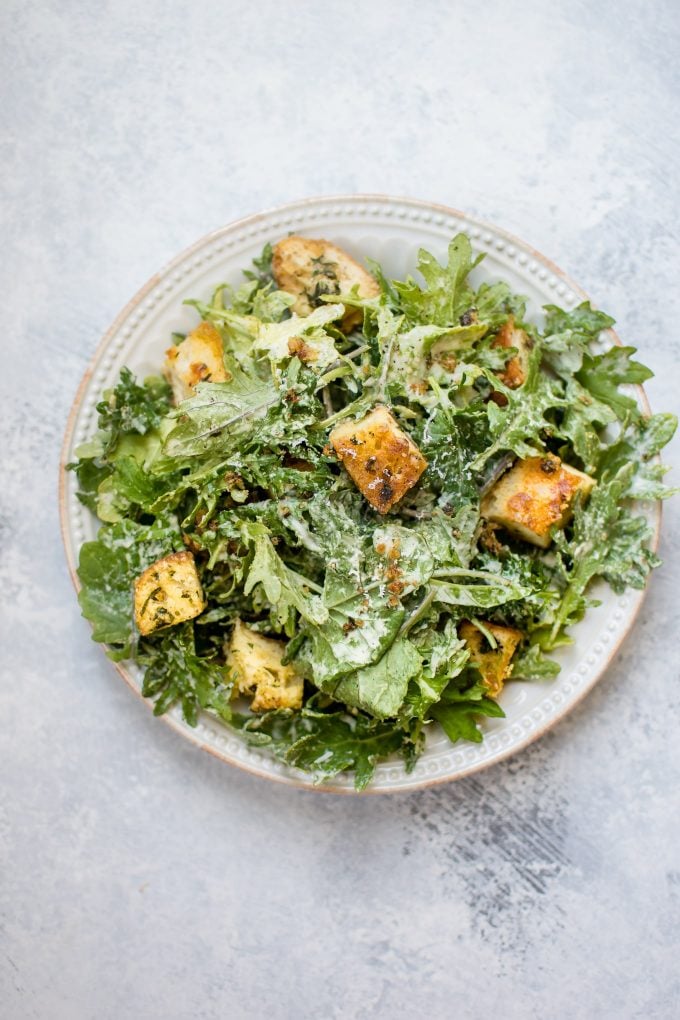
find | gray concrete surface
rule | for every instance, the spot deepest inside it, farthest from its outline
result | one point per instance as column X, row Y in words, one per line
column 140, row 878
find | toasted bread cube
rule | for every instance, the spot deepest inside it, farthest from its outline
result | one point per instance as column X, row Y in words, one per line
column 255, row 662
column 309, row 268
column 380, row 458
column 515, row 372
column 492, row 663
column 533, row 496
column 168, row 592
column 199, row 358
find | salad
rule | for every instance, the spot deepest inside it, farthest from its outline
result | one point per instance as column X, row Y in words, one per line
column 351, row 508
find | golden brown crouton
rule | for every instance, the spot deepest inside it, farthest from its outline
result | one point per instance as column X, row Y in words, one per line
column 198, row 358
column 492, row 663
column 380, row 458
column 309, row 268
column 168, row 592
column 515, row 372
column 255, row 662
column 534, row 495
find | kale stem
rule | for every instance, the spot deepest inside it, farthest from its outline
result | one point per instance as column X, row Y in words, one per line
column 417, row 613
column 343, row 361
column 461, row 572
column 312, row 585
column 385, row 367
column 327, row 402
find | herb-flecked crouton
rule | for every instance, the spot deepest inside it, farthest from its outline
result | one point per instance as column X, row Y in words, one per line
column 310, row 268
column 168, row 592
column 198, row 358
column 492, row 663
column 515, row 372
column 534, row 495
column 255, row 662
column 380, row 458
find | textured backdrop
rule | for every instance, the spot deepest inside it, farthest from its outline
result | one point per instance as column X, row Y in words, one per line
column 140, row 878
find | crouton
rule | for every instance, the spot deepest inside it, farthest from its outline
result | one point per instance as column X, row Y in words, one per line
column 380, row 458
column 168, row 592
column 309, row 268
column 492, row 663
column 515, row 372
column 198, row 358
column 535, row 495
column 255, row 662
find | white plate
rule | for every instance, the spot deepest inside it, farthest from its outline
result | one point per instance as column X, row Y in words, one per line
column 391, row 231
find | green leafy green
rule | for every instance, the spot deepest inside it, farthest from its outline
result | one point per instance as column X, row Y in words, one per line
column 261, row 273
column 90, row 472
column 533, row 664
column 316, row 346
column 283, row 588
column 220, row 416
column 365, row 607
column 603, row 374
column 584, row 320
column 494, row 302
column 131, row 409
column 446, row 295
column 174, row 672
column 444, row 656
column 129, row 416
column 607, row 540
column 362, row 624
column 476, row 588
column 458, row 719
column 519, row 425
column 107, row 569
column 451, row 441
column 380, row 688
column 640, row 444
column 326, row 743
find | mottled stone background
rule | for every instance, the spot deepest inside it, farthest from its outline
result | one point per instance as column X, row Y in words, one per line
column 140, row 878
